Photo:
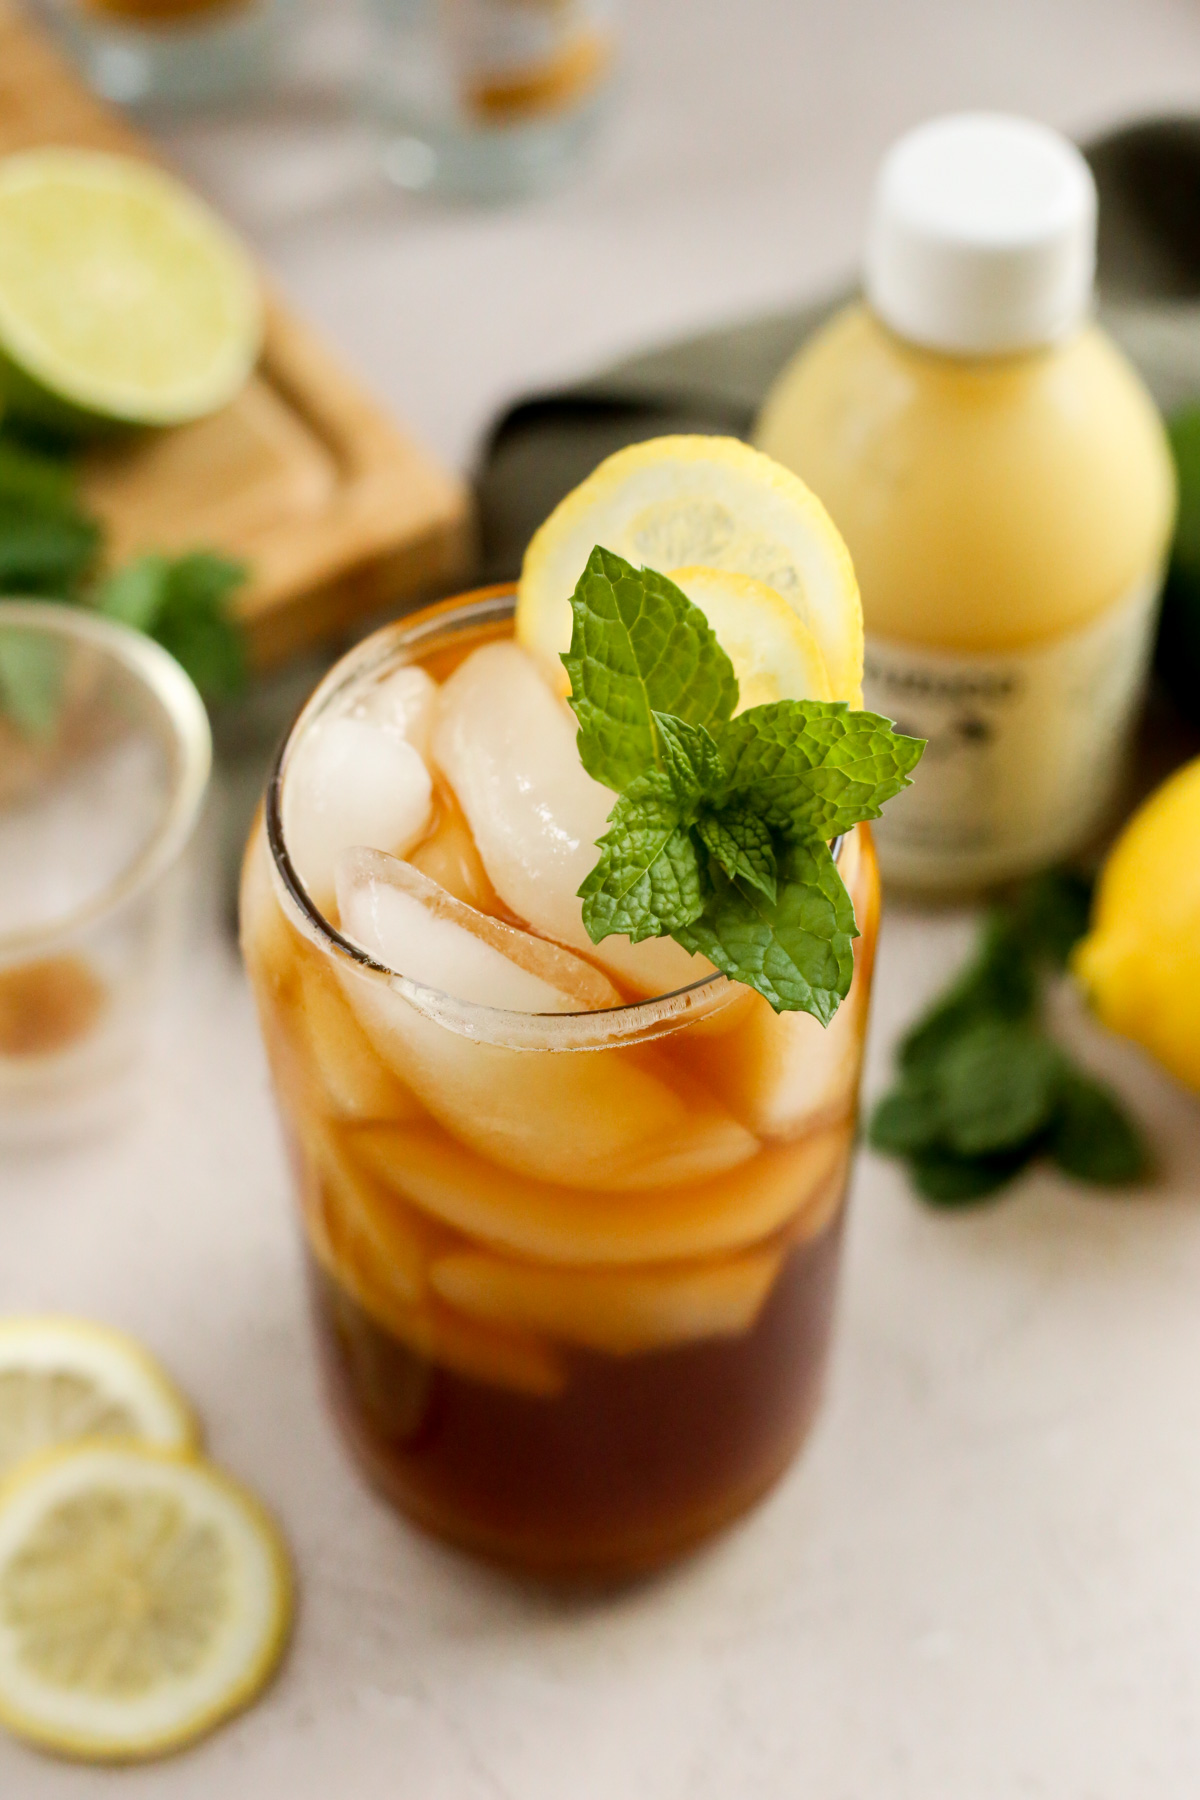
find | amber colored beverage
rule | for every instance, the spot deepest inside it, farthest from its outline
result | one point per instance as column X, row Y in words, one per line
column 573, row 1273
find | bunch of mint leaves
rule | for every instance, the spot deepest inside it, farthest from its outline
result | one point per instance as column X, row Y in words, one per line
column 983, row 1090
column 51, row 548
column 720, row 837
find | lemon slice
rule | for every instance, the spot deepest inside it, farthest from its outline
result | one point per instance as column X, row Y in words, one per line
column 122, row 297
column 62, row 1380
column 774, row 656
column 143, row 1598
column 678, row 502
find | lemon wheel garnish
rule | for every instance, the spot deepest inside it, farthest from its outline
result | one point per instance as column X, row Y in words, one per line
column 62, row 1380
column 121, row 295
column 774, row 656
column 682, row 502
column 143, row 1598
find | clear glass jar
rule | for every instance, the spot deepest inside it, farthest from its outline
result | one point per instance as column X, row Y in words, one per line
column 104, row 762
column 171, row 52
column 573, row 1274
column 486, row 99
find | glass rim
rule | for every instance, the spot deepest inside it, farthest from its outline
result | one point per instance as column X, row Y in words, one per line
column 478, row 606
column 158, row 673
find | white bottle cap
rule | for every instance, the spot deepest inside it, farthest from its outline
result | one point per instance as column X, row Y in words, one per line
column 982, row 236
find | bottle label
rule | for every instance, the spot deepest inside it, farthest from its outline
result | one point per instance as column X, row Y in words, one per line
column 525, row 59
column 1026, row 748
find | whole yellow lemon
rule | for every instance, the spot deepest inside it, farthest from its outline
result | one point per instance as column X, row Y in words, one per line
column 1140, row 962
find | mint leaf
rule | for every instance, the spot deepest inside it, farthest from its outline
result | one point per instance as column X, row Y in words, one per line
column 35, row 481
column 741, row 843
column 1091, row 1137
column 907, row 1120
column 813, row 768
column 184, row 603
column 47, row 542
column 982, row 1089
column 639, row 646
column 1050, row 914
column 690, row 759
column 948, row 1180
column 998, row 1086
column 797, row 951
column 999, row 983
column 993, row 1087
column 137, row 594
column 648, row 875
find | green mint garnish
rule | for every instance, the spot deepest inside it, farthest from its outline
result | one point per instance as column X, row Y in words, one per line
column 983, row 1090
column 720, row 835
column 797, row 950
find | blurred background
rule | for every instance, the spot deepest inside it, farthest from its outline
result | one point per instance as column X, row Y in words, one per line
column 731, row 176
column 977, row 1590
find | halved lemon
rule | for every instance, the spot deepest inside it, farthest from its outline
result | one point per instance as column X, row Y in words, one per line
column 680, row 502
column 62, row 1380
column 774, row 656
column 143, row 1598
column 122, row 297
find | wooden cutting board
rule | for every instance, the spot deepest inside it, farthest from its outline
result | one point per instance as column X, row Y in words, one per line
column 338, row 513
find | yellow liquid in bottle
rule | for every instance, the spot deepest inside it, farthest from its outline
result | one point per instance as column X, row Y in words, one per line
column 1008, row 517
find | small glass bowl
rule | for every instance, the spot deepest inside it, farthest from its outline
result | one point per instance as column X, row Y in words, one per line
column 105, row 755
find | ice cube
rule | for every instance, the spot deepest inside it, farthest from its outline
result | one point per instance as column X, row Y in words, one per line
column 369, row 1232
column 506, row 745
column 602, row 1118
column 380, row 1255
column 351, row 782
column 449, row 857
column 403, row 705
column 792, row 1186
column 622, row 1312
column 350, row 1078
column 407, row 922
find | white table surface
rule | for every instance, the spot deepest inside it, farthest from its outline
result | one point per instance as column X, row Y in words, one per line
column 982, row 1582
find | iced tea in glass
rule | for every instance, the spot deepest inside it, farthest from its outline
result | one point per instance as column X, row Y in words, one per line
column 572, row 1212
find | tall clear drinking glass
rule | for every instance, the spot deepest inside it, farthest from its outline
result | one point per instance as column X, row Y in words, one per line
column 573, row 1274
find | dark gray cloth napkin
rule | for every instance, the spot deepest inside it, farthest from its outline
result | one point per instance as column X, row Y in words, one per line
column 1148, row 175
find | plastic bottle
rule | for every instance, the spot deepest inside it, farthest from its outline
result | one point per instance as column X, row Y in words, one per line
column 1003, row 482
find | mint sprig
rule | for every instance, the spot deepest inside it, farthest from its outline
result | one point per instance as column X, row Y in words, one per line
column 983, row 1090
column 720, row 834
